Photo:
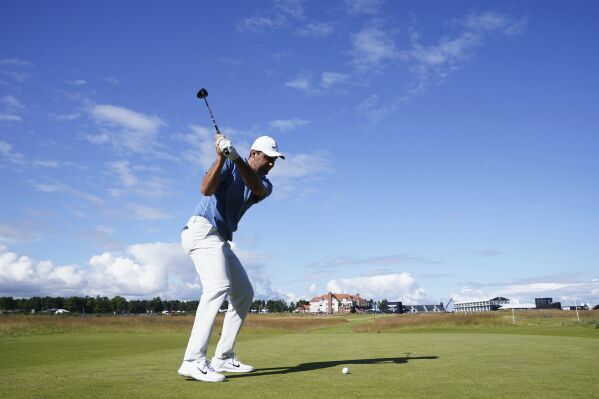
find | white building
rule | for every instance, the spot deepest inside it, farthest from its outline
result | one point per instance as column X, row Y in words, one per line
column 480, row 306
column 337, row 303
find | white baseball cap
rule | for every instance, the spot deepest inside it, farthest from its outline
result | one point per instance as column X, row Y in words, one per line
column 267, row 145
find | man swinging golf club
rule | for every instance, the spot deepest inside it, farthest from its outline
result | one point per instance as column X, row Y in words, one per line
column 229, row 188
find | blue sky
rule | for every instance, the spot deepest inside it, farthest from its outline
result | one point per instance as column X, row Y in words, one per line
column 434, row 149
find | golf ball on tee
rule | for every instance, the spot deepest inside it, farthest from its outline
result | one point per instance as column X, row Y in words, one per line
column 345, row 370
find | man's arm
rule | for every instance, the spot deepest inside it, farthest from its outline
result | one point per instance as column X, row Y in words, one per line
column 211, row 178
column 250, row 178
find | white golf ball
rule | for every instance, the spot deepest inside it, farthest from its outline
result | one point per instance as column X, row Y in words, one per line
column 345, row 370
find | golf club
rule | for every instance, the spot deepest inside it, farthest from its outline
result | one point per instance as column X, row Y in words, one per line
column 203, row 93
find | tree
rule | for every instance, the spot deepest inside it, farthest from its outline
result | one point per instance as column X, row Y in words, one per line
column 258, row 305
column 7, row 303
column 49, row 302
column 118, row 304
column 90, row 305
column 34, row 303
column 155, row 305
column 103, row 305
column 136, row 306
column 74, row 304
column 276, row 306
column 384, row 306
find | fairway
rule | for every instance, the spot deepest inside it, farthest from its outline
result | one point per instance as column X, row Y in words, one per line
column 454, row 364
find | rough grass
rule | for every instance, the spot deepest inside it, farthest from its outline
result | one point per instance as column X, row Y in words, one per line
column 14, row 325
column 523, row 320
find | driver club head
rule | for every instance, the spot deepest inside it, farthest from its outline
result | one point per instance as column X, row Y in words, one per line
column 203, row 93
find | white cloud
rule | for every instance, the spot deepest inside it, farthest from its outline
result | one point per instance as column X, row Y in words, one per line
column 58, row 186
column 315, row 29
column 145, row 212
column 10, row 118
column 302, row 82
column 259, row 23
column 363, row 7
column 275, row 17
column 393, row 287
column 495, row 22
column 143, row 270
column 293, row 8
column 128, row 129
column 130, row 183
column 78, row 82
column 7, row 154
column 117, row 274
column 470, row 295
column 433, row 63
column 125, row 118
column 16, row 62
column 386, row 260
column 284, row 125
column 291, row 174
column 68, row 117
column 372, row 48
column 230, row 61
column 47, row 164
column 329, row 79
column 11, row 103
column 200, row 143
column 21, row 276
column 14, row 71
column 374, row 110
column 112, row 80
column 123, row 171
column 14, row 232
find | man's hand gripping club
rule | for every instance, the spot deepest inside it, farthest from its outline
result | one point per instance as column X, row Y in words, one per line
column 224, row 147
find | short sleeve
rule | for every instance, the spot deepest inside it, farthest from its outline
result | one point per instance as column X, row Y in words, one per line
column 268, row 186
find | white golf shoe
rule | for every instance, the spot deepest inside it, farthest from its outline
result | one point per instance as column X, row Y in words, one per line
column 200, row 370
column 230, row 364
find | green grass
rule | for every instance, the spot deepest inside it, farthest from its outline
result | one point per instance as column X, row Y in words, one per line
column 301, row 358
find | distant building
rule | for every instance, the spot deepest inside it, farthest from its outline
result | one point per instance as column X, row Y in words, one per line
column 547, row 303
column 338, row 303
column 518, row 306
column 577, row 307
column 480, row 306
column 424, row 308
column 395, row 307
column 303, row 308
column 542, row 303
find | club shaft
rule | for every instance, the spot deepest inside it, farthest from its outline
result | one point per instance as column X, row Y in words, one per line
column 226, row 150
column 211, row 116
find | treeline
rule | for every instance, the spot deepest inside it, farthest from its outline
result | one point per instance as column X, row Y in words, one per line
column 120, row 305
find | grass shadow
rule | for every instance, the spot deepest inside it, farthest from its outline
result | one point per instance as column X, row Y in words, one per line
column 330, row 363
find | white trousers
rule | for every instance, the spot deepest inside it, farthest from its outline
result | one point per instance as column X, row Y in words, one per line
column 221, row 274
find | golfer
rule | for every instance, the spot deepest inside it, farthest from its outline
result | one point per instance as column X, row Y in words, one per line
column 229, row 188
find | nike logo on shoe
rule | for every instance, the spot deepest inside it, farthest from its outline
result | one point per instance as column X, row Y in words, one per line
column 202, row 371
